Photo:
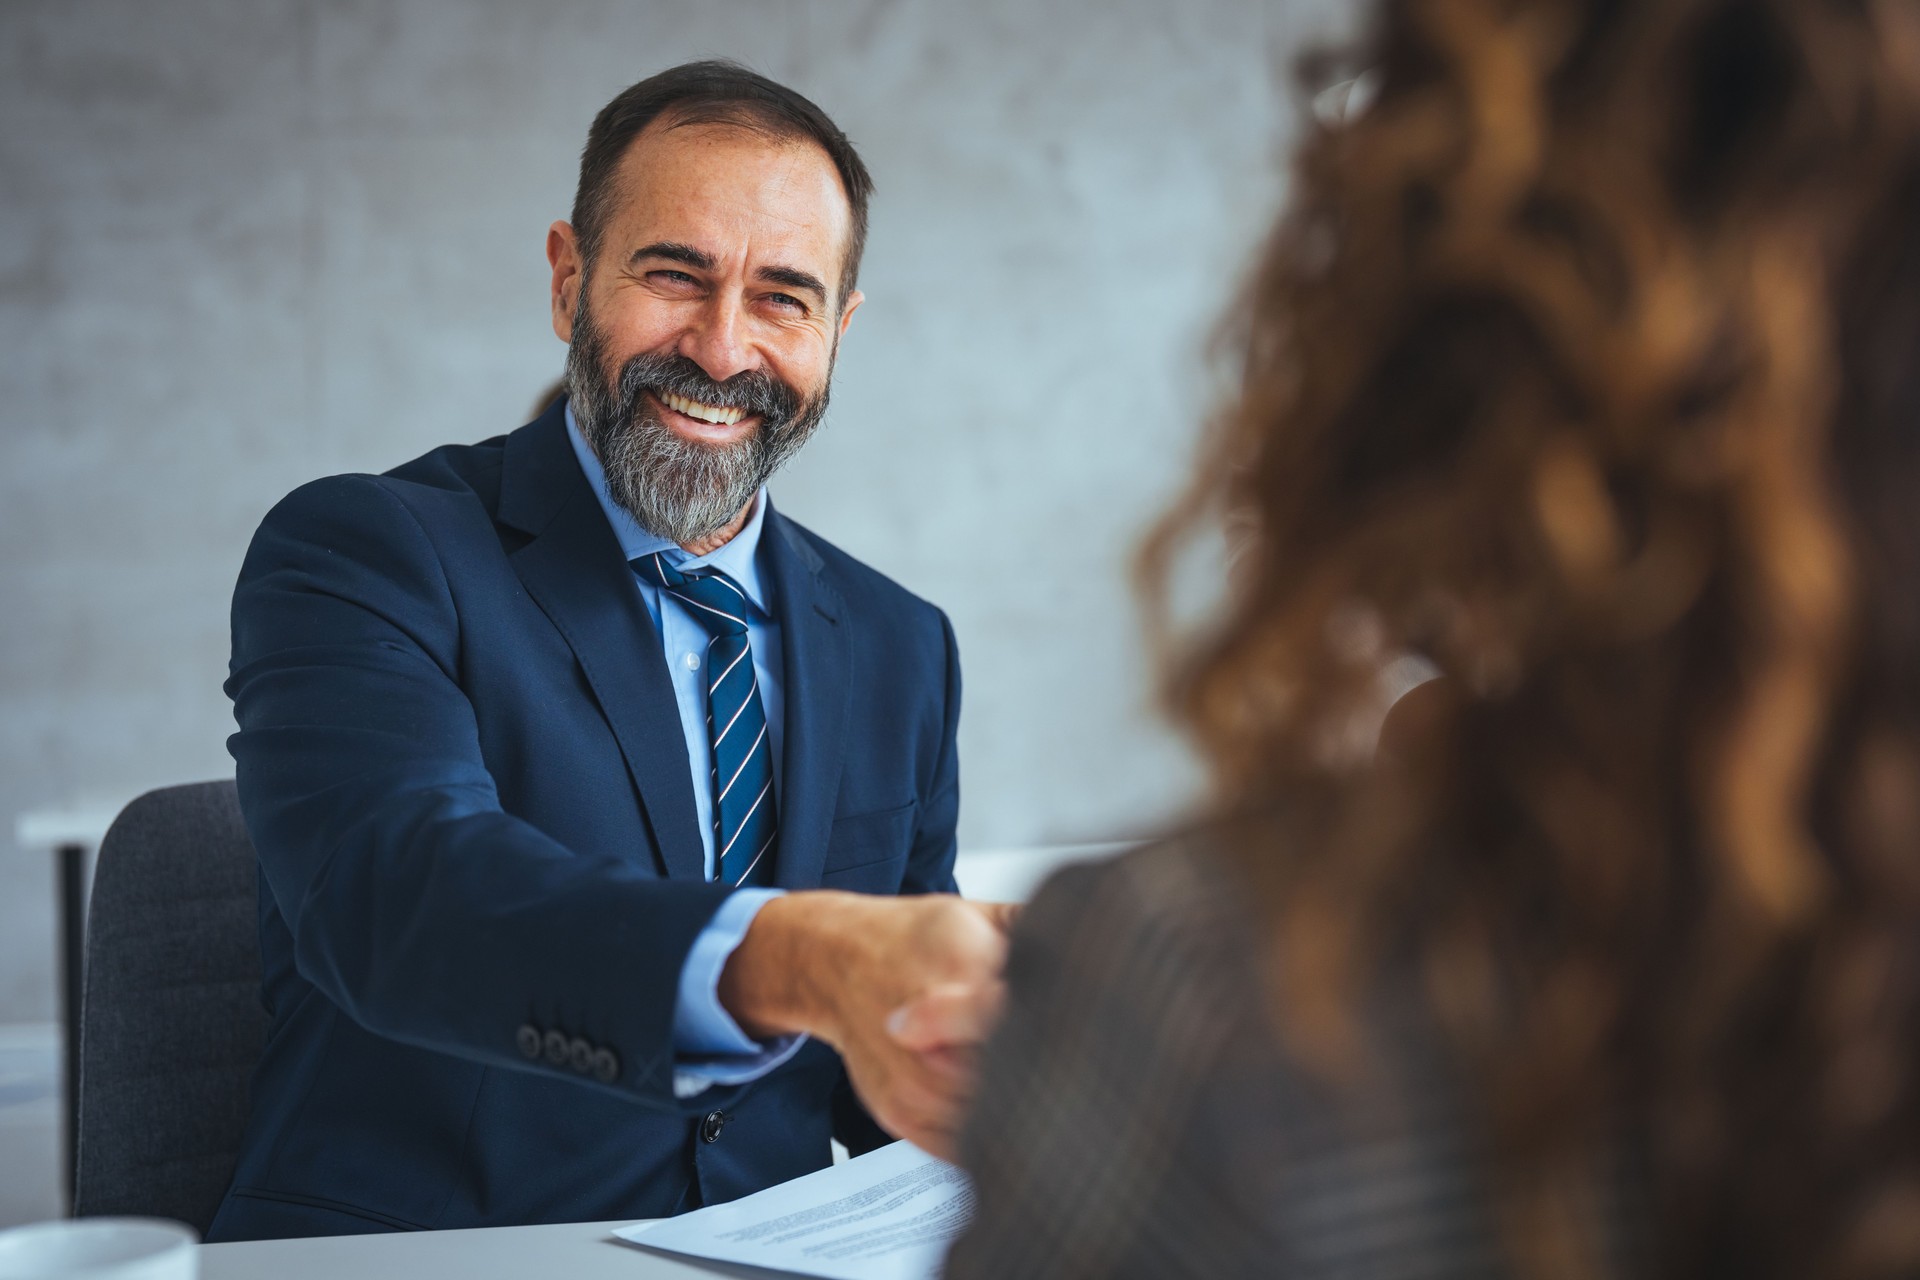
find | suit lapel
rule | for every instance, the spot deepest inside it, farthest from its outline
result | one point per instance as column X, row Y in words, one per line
column 573, row 569
column 817, row 659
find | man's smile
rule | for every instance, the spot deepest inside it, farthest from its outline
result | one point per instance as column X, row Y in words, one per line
column 707, row 423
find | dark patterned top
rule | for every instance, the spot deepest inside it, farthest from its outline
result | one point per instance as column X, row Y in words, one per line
column 1138, row 1116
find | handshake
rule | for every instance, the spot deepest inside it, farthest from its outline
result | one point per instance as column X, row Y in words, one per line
column 905, row 988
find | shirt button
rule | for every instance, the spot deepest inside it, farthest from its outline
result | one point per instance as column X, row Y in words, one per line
column 693, row 661
column 711, row 1126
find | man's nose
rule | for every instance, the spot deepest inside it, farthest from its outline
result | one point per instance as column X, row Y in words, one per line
column 716, row 341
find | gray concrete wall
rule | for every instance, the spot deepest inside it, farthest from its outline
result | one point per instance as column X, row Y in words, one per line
column 248, row 242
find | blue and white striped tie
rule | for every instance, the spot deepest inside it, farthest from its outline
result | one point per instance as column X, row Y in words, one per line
column 744, row 820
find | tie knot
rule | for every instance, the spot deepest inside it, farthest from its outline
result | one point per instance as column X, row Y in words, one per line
column 709, row 595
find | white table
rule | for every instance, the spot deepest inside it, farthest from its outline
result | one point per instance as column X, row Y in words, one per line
column 577, row 1251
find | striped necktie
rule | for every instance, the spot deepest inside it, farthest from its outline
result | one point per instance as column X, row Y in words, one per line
column 744, row 819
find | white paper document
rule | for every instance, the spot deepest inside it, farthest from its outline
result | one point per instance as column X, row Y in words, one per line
column 887, row 1215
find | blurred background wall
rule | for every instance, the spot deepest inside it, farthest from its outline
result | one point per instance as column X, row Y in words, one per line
column 244, row 243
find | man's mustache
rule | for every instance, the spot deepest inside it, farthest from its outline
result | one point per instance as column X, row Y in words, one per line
column 754, row 391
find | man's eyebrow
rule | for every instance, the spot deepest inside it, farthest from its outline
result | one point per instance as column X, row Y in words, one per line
column 674, row 251
column 793, row 278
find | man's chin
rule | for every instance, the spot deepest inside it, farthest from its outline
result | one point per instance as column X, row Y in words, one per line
column 677, row 526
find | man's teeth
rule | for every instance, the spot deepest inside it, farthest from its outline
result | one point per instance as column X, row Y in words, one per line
column 705, row 412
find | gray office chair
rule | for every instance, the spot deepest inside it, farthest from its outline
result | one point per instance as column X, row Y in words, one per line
column 170, row 1019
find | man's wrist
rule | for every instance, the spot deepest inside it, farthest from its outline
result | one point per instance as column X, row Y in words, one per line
column 770, row 985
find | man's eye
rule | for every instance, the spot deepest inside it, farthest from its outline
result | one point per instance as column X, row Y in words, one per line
column 785, row 300
column 675, row 277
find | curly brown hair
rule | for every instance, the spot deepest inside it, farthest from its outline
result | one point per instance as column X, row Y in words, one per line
column 1586, row 364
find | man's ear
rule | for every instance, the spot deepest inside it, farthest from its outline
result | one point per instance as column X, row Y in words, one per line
column 569, row 274
column 852, row 305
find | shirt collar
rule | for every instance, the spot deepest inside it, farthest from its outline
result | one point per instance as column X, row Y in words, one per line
column 736, row 557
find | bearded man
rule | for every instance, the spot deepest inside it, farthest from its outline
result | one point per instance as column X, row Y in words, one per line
column 605, row 815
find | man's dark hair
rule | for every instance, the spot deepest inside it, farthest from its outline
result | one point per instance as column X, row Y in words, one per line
column 714, row 92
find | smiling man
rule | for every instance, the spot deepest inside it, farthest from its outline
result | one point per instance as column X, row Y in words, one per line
column 605, row 815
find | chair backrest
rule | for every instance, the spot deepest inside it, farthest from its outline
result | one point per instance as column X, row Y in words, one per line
column 171, row 1024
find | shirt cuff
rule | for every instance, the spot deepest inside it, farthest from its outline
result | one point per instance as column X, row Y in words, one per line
column 709, row 1047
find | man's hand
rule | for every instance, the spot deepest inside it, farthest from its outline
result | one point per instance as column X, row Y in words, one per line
column 904, row 988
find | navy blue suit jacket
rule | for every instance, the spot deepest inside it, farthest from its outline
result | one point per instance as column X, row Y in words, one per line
column 462, row 765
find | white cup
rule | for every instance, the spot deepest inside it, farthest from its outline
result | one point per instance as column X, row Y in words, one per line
column 100, row 1249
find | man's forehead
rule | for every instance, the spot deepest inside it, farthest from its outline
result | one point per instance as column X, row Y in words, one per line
column 689, row 181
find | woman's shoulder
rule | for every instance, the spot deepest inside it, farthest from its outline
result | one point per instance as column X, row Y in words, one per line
column 1141, row 1113
column 1161, row 927
column 1124, row 996
column 1175, row 895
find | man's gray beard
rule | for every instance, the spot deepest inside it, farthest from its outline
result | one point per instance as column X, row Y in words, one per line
column 677, row 488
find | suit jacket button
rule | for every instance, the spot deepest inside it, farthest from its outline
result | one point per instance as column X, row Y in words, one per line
column 606, row 1066
column 559, row 1048
column 580, row 1055
column 710, row 1127
column 528, row 1038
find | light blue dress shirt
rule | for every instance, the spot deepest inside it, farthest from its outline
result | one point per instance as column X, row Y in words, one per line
column 709, row 1046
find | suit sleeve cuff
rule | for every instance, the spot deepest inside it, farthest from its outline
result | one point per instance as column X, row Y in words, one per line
column 709, row 1047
